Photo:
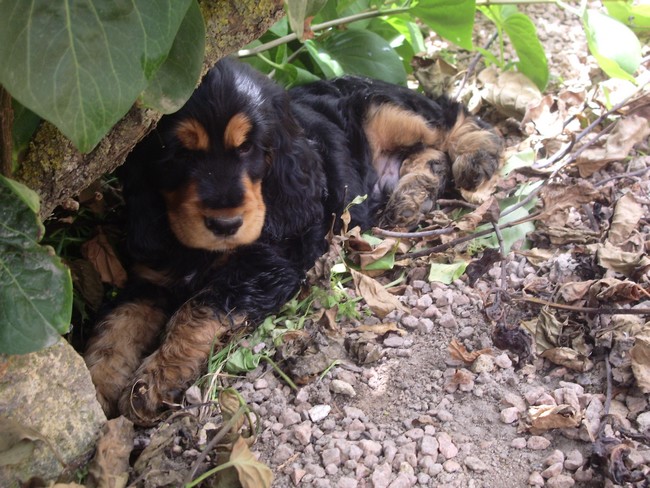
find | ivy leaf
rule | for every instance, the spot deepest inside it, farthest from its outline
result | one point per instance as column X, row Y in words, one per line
column 82, row 64
column 446, row 273
column 614, row 45
column 452, row 19
column 532, row 58
column 35, row 286
column 358, row 52
column 176, row 79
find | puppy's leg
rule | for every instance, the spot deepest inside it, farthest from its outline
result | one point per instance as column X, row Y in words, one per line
column 423, row 177
column 123, row 337
column 191, row 333
column 474, row 151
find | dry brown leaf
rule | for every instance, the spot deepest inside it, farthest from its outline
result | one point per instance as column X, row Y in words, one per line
column 510, row 91
column 109, row 467
column 546, row 417
column 380, row 301
column 488, row 211
column 626, row 217
column 252, row 473
column 569, row 358
column 328, row 323
column 628, row 132
column 380, row 329
column 629, row 264
column 561, row 196
column 434, row 75
column 547, row 116
column 536, row 256
column 101, row 255
column 460, row 353
column 17, row 442
column 640, row 357
column 575, row 290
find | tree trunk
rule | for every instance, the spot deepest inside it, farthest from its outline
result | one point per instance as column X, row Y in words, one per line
column 57, row 171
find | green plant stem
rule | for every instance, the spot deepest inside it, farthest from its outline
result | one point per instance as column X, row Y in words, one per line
column 277, row 369
column 244, row 53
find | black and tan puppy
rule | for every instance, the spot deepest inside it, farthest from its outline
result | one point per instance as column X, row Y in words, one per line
column 230, row 199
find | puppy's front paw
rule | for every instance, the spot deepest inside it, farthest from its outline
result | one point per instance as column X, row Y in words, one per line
column 414, row 197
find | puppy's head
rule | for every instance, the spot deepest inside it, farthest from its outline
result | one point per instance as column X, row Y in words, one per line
column 214, row 159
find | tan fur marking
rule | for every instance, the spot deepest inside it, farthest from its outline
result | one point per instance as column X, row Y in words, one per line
column 187, row 218
column 115, row 352
column 420, row 162
column 467, row 137
column 193, row 135
column 192, row 332
column 390, row 128
column 236, row 131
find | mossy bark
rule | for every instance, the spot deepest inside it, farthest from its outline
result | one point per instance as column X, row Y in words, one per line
column 58, row 172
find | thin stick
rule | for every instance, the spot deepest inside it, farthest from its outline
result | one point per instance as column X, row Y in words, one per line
column 597, row 310
column 472, row 65
column 413, row 235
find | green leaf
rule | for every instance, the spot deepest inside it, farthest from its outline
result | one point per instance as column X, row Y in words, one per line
column 522, row 159
column 532, row 58
column 447, row 273
column 242, row 360
column 82, row 64
column 510, row 235
column 614, row 45
column 35, row 286
column 452, row 19
column 176, row 79
column 361, row 53
column 299, row 11
column 635, row 16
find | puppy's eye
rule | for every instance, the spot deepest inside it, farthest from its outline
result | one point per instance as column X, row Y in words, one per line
column 244, row 148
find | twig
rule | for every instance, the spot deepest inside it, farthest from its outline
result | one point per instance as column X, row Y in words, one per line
column 413, row 235
column 456, row 203
column 460, row 240
column 213, row 442
column 6, row 133
column 608, row 392
column 472, row 65
column 596, row 310
column 631, row 174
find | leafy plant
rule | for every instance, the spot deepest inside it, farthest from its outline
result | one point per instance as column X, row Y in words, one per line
column 82, row 65
column 35, row 286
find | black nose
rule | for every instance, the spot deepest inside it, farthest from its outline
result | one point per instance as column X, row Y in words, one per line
column 223, row 226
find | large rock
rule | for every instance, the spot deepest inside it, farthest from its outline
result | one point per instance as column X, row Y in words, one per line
column 48, row 414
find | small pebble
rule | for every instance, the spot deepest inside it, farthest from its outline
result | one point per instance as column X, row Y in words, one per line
column 483, row 364
column 537, row 443
column 394, row 340
column 574, row 460
column 319, row 412
column 555, row 457
column 535, row 479
column 450, row 466
column 509, row 415
column 503, row 361
column 475, row 464
column 552, row 471
column 381, row 476
column 446, row 446
column 518, row 443
column 343, row 388
column 560, row 481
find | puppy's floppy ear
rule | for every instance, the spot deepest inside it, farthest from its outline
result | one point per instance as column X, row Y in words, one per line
column 295, row 182
column 148, row 234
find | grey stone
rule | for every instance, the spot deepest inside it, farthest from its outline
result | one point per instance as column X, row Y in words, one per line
column 382, row 475
column 475, row 464
column 50, row 392
column 343, row 388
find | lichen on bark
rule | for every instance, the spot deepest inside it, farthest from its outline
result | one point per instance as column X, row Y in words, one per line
column 57, row 171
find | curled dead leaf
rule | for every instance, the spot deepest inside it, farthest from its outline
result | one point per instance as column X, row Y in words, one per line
column 569, row 358
column 628, row 132
column 102, row 256
column 488, row 211
column 380, row 301
column 381, row 329
column 640, row 358
column 460, row 353
column 546, row 417
column 509, row 91
column 630, row 264
column 109, row 467
column 252, row 473
column 627, row 214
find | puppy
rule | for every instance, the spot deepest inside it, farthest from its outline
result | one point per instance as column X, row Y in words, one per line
column 229, row 201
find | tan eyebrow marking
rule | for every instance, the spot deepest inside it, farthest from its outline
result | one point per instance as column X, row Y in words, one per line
column 237, row 131
column 193, row 135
